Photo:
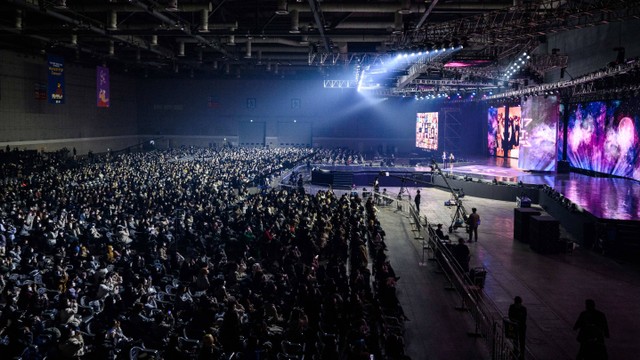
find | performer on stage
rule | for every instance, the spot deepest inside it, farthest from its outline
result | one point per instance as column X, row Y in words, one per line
column 444, row 159
column 452, row 159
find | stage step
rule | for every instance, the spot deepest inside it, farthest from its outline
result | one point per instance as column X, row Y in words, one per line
column 342, row 180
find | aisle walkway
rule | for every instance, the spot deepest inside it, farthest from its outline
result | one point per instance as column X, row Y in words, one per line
column 553, row 287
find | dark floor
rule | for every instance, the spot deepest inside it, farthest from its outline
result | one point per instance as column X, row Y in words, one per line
column 553, row 287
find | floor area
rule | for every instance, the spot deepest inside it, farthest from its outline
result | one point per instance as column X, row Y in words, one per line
column 553, row 287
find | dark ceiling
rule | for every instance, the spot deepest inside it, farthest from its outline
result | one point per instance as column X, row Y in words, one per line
column 338, row 39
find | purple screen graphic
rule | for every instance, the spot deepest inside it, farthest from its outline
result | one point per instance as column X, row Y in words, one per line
column 537, row 133
column 603, row 137
column 560, row 142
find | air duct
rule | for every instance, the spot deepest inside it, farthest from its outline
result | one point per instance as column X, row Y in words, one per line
column 232, row 40
column 113, row 20
column 283, row 8
column 398, row 24
column 60, row 4
column 247, row 54
column 112, row 48
column 18, row 19
column 74, row 39
column 405, row 8
column 154, row 40
column 172, row 5
column 181, row 48
column 295, row 22
column 204, row 21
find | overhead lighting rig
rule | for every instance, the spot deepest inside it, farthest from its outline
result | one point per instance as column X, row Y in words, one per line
column 516, row 66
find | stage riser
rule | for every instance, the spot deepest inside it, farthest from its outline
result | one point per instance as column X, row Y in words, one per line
column 491, row 191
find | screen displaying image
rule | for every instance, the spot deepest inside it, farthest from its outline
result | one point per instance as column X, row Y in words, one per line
column 603, row 137
column 561, row 128
column 427, row 130
column 534, row 134
column 512, row 132
column 495, row 130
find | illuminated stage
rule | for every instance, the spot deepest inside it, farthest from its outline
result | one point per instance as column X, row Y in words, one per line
column 605, row 198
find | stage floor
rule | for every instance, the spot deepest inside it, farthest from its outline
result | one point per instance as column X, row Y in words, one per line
column 605, row 198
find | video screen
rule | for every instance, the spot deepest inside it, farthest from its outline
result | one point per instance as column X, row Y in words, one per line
column 561, row 128
column 603, row 137
column 534, row 134
column 427, row 130
column 512, row 132
column 503, row 133
column 495, row 129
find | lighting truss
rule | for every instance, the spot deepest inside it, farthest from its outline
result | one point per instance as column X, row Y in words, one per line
column 340, row 84
column 517, row 25
column 572, row 85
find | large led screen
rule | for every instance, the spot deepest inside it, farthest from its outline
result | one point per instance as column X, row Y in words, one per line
column 427, row 130
column 561, row 128
column 534, row 134
column 512, row 132
column 495, row 130
column 603, row 137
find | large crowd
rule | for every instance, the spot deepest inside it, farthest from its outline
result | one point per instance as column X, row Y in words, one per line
column 168, row 254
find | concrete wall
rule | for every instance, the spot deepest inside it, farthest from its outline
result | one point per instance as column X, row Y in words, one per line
column 211, row 110
column 590, row 49
column 28, row 123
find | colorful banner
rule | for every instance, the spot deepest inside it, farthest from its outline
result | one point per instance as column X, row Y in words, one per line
column 55, row 79
column 102, row 87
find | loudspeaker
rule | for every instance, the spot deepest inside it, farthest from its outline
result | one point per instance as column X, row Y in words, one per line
column 544, row 234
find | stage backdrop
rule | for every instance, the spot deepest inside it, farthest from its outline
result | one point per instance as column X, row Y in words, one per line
column 534, row 135
column 427, row 130
column 602, row 136
column 561, row 129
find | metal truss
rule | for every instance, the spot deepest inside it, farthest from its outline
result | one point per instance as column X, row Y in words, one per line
column 340, row 84
column 418, row 68
column 544, row 63
column 580, row 86
column 509, row 31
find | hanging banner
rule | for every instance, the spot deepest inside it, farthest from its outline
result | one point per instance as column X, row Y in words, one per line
column 102, row 86
column 55, row 79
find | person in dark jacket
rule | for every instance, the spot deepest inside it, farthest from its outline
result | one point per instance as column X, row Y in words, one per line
column 592, row 330
column 518, row 314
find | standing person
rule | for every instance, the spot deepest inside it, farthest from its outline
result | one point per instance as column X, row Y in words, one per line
column 473, row 221
column 444, row 159
column 462, row 255
column 376, row 190
column 593, row 329
column 416, row 199
column 518, row 314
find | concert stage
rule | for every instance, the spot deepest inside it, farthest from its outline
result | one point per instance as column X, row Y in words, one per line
column 597, row 211
column 605, row 198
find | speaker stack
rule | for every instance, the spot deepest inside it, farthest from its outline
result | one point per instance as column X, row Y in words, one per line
column 544, row 234
column 521, row 217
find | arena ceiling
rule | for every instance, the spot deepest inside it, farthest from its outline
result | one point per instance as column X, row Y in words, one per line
column 477, row 41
